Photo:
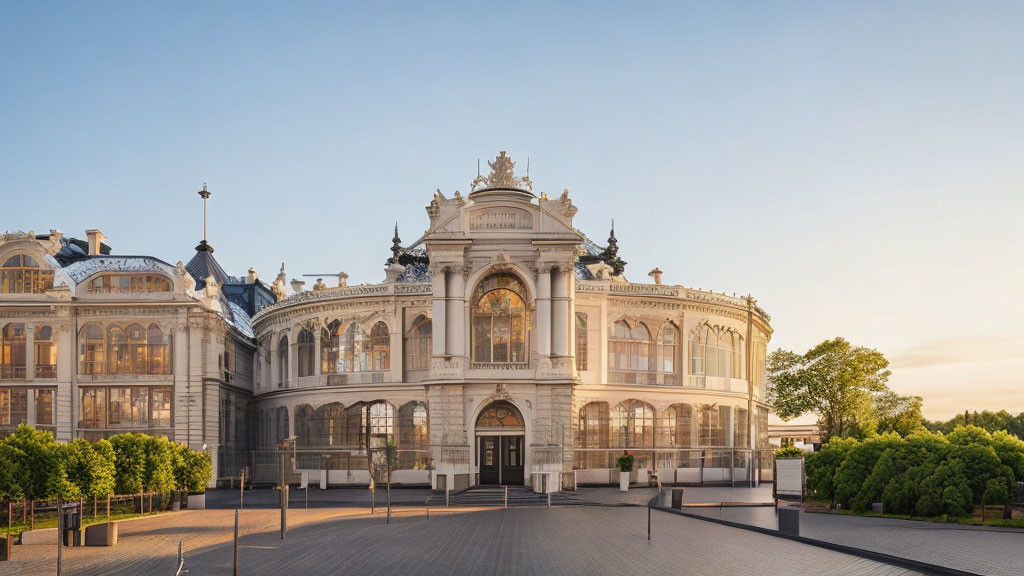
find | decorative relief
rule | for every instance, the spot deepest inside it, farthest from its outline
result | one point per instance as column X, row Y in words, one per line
column 504, row 219
column 83, row 269
column 503, row 366
column 502, row 175
column 414, row 289
column 645, row 304
column 442, row 368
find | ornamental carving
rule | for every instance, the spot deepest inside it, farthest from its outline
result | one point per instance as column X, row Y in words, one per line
column 504, row 219
column 502, row 176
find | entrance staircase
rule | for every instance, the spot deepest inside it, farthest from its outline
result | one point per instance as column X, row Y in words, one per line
column 494, row 496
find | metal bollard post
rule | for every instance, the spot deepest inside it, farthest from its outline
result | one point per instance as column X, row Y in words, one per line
column 648, row 523
column 235, row 564
column 549, row 499
column 506, row 496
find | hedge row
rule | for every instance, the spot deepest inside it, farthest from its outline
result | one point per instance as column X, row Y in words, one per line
column 34, row 466
column 925, row 474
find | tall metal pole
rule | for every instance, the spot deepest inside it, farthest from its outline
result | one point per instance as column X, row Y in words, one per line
column 60, row 530
column 750, row 389
column 235, row 562
column 284, row 490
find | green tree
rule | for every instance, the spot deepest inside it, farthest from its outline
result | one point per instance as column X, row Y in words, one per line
column 158, row 471
column 34, row 462
column 899, row 414
column 945, row 491
column 834, row 380
column 996, row 492
column 192, row 469
column 129, row 463
column 90, row 467
column 821, row 466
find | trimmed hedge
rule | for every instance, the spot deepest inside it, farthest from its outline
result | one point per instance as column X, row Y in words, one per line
column 34, row 466
column 923, row 474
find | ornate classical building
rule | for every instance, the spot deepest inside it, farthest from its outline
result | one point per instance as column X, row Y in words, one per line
column 505, row 347
column 94, row 344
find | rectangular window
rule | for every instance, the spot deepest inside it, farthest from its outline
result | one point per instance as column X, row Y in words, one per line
column 44, row 407
column 93, row 408
column 161, row 412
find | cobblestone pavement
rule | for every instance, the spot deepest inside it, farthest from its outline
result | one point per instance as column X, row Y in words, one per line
column 982, row 550
column 560, row 541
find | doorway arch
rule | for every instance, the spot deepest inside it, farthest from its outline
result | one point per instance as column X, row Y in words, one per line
column 501, row 444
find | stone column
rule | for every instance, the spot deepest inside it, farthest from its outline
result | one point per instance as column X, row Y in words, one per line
column 439, row 286
column 30, row 351
column 293, row 358
column 544, row 312
column 559, row 313
column 455, row 307
column 602, row 342
column 397, row 347
column 316, row 351
column 65, row 402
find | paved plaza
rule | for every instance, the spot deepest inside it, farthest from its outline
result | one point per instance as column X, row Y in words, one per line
column 976, row 549
column 563, row 541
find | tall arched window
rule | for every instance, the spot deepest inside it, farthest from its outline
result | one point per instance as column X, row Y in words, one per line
column 633, row 424
column 581, row 341
column 329, row 343
column 499, row 320
column 159, row 350
column 668, row 351
column 352, row 355
column 682, row 426
column 137, row 352
column 307, row 352
column 282, row 423
column 21, row 274
column 282, row 363
column 715, row 352
column 329, row 425
column 13, row 353
column 45, row 352
column 418, row 343
column 304, row 425
column 119, row 359
column 413, row 436
column 380, row 347
column 382, row 420
column 594, row 434
column 631, row 354
column 92, row 350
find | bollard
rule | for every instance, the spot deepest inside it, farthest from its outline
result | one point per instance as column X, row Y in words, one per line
column 506, row 496
column 648, row 523
column 235, row 564
column 789, row 520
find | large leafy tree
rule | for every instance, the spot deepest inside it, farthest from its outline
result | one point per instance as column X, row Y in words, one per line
column 899, row 414
column 834, row 380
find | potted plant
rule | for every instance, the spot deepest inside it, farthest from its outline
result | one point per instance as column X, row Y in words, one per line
column 195, row 469
column 625, row 464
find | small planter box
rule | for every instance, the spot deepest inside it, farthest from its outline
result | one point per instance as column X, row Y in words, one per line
column 39, row 536
column 101, row 534
column 196, row 502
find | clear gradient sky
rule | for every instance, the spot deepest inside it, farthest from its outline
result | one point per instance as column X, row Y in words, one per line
column 857, row 166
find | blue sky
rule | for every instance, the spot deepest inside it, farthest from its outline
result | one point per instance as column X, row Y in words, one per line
column 855, row 166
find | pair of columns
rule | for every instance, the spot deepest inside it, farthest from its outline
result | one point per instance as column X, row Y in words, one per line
column 554, row 311
column 553, row 320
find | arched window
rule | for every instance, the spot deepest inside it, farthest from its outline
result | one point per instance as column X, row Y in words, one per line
column 681, row 426
column 304, row 425
column 380, row 347
column 633, row 425
column 418, row 343
column 382, row 420
column 13, row 353
column 594, row 434
column 117, row 283
column 282, row 424
column 45, row 352
column 21, row 274
column 500, row 414
column 329, row 343
column 581, row 341
column 413, row 436
column 282, row 363
column 499, row 320
column 159, row 350
column 137, row 352
column 307, row 352
column 329, row 425
column 668, row 351
column 715, row 352
column 119, row 360
column 631, row 354
column 92, row 350
column 352, row 356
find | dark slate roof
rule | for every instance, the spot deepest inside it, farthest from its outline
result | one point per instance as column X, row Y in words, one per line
column 202, row 266
column 72, row 250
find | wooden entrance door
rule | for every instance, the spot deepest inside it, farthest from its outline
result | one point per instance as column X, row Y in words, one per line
column 501, row 460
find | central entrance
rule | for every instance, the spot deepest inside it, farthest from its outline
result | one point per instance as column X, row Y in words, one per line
column 501, row 443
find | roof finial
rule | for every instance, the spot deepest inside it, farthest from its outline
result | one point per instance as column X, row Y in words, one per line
column 204, row 246
column 396, row 247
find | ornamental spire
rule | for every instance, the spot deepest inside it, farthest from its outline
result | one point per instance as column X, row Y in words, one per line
column 396, row 247
column 204, row 246
column 502, row 175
